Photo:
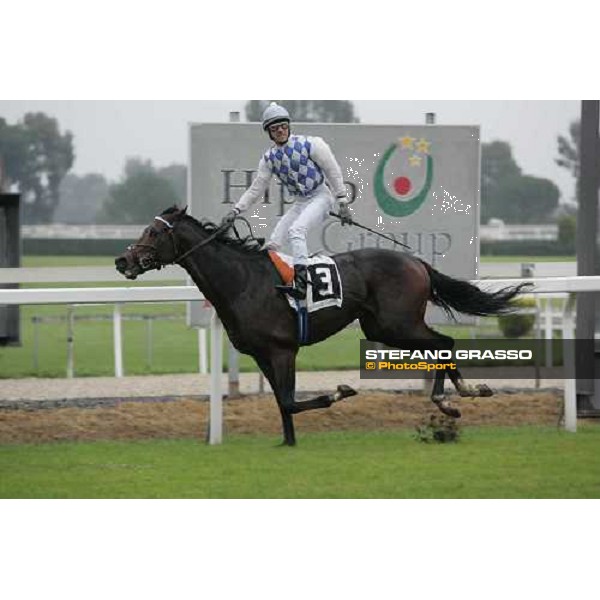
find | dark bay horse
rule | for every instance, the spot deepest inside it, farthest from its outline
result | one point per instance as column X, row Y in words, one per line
column 386, row 291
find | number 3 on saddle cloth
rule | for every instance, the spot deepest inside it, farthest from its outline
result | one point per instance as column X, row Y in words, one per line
column 324, row 288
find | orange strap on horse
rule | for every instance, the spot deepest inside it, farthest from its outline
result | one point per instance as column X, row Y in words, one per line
column 285, row 270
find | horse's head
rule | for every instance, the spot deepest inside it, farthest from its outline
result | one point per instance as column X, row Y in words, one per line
column 155, row 248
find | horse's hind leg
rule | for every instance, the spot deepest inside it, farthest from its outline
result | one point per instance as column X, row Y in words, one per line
column 438, row 397
column 465, row 389
column 415, row 337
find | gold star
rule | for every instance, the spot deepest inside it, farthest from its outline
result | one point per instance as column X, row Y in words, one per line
column 423, row 146
column 407, row 141
column 414, row 160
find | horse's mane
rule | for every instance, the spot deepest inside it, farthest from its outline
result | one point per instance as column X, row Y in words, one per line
column 248, row 244
column 231, row 238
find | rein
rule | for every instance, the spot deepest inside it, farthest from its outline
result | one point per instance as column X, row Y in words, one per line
column 216, row 233
column 209, row 239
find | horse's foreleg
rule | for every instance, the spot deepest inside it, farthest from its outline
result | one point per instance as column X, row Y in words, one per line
column 438, row 398
column 325, row 401
column 279, row 369
column 283, row 388
column 289, row 434
column 465, row 389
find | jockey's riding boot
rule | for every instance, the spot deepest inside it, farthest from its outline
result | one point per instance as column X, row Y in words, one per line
column 298, row 289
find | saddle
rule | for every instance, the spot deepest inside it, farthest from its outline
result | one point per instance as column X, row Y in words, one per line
column 324, row 287
column 324, row 282
column 285, row 270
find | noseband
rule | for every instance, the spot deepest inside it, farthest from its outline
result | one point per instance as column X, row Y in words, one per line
column 155, row 263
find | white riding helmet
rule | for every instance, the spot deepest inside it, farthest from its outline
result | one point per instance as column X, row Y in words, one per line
column 274, row 113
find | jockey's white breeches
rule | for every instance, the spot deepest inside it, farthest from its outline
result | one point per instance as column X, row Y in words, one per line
column 297, row 222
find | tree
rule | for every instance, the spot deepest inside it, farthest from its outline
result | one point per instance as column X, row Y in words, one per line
column 13, row 152
column 569, row 153
column 497, row 164
column 142, row 194
column 307, row 111
column 497, row 167
column 81, row 198
column 567, row 231
column 36, row 156
column 509, row 195
column 51, row 156
column 177, row 175
column 527, row 200
column 568, row 150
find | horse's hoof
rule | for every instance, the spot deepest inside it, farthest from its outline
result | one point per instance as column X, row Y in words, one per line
column 285, row 444
column 484, row 391
column 343, row 391
column 447, row 409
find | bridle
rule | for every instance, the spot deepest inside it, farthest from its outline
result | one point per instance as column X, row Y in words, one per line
column 152, row 262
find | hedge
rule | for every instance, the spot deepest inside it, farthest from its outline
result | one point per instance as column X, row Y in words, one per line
column 526, row 248
column 64, row 247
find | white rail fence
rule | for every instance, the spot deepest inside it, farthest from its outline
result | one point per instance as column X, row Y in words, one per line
column 62, row 275
column 185, row 293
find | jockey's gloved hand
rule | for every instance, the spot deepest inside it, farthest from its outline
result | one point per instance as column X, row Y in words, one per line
column 229, row 218
column 345, row 214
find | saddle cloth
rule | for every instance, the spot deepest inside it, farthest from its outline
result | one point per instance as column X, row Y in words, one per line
column 326, row 288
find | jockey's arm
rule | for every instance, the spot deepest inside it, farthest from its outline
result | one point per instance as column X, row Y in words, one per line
column 321, row 153
column 257, row 189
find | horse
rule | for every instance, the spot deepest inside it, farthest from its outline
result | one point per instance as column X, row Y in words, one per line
column 385, row 290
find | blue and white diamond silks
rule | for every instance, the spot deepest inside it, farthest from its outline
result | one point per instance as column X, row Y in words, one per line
column 294, row 167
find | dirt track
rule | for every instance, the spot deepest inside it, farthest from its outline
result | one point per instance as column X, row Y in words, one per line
column 252, row 414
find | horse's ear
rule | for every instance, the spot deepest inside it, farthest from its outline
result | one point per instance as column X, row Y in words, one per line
column 180, row 212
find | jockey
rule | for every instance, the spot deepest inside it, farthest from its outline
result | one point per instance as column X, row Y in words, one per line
column 305, row 165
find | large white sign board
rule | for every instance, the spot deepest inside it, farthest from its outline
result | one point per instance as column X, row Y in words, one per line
column 418, row 184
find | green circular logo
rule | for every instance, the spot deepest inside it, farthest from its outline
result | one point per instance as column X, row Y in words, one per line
column 396, row 205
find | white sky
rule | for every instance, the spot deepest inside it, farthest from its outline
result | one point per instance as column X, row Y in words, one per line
column 107, row 132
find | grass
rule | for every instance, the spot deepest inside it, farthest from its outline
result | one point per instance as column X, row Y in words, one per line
column 525, row 462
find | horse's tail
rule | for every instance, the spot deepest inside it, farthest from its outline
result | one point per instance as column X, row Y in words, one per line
column 464, row 297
